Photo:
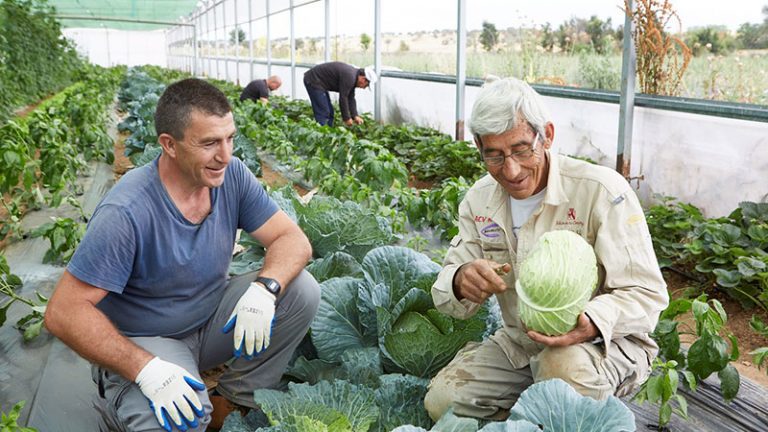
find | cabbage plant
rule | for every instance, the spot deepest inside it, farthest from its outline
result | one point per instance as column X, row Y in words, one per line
column 556, row 281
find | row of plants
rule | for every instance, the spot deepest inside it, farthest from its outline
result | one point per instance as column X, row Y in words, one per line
column 370, row 164
column 42, row 154
column 727, row 254
column 35, row 60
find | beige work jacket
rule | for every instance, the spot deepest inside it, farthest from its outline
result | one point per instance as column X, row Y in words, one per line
column 593, row 201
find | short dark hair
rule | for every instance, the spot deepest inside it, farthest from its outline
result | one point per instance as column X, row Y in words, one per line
column 180, row 98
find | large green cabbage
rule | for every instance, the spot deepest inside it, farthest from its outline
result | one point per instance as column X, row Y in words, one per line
column 556, row 282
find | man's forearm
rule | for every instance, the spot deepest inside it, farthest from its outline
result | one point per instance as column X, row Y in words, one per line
column 286, row 257
column 72, row 317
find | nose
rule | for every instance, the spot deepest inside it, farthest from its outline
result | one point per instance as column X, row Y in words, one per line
column 511, row 168
column 225, row 151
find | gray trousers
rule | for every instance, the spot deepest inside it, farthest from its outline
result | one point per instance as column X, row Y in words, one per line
column 125, row 408
column 482, row 382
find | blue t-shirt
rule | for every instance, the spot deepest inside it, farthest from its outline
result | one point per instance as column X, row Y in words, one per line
column 165, row 274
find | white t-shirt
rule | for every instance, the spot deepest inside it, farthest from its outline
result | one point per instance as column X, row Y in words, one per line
column 524, row 208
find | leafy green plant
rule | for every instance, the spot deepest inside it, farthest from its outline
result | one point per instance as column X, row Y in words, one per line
column 30, row 324
column 760, row 355
column 551, row 405
column 727, row 252
column 9, row 421
column 555, row 282
column 708, row 354
column 64, row 234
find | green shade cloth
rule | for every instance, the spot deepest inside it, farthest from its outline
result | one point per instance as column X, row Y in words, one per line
column 140, row 10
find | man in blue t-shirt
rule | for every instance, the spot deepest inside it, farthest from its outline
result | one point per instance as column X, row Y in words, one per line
column 146, row 297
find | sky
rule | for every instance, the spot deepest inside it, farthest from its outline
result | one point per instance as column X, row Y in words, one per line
column 416, row 15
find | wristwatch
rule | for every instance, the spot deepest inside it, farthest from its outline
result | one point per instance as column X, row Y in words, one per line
column 270, row 284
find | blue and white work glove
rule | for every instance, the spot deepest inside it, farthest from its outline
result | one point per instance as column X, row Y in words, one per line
column 171, row 392
column 252, row 321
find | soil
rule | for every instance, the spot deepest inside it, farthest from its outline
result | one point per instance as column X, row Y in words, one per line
column 122, row 162
column 738, row 325
column 273, row 179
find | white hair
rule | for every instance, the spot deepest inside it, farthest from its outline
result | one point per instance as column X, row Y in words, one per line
column 502, row 104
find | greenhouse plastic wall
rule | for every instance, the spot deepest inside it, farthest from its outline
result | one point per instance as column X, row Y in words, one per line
column 110, row 47
column 711, row 162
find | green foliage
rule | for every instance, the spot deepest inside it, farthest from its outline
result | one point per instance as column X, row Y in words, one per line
column 728, row 252
column 599, row 72
column 31, row 324
column 708, row 354
column 710, row 40
column 760, row 355
column 339, row 406
column 237, row 36
column 489, row 37
column 64, row 234
column 551, row 405
column 365, row 41
column 547, row 37
column 555, row 281
column 9, row 421
column 600, row 34
column 35, row 60
column 752, row 36
column 389, row 309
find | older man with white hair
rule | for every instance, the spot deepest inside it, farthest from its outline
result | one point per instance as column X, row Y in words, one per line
column 529, row 191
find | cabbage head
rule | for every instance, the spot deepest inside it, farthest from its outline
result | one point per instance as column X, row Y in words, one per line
column 556, row 281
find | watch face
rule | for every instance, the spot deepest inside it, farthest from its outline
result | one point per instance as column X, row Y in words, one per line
column 272, row 285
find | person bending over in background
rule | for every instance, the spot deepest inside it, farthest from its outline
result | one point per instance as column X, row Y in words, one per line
column 337, row 77
column 146, row 297
column 258, row 90
column 528, row 192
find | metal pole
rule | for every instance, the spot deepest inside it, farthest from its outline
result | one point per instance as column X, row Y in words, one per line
column 627, row 98
column 216, row 41
column 226, row 44
column 250, row 40
column 461, row 66
column 208, row 35
column 109, row 56
column 237, row 48
column 377, row 60
column 194, row 50
column 327, row 56
column 269, row 44
column 293, row 54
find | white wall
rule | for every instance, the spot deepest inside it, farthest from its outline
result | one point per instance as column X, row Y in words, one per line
column 110, row 47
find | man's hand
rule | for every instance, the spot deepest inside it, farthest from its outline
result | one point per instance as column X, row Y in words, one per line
column 348, row 122
column 479, row 279
column 358, row 120
column 252, row 320
column 584, row 331
column 171, row 393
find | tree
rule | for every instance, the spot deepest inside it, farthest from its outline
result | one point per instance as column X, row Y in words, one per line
column 599, row 31
column 547, row 37
column 365, row 41
column 489, row 37
column 753, row 36
column 237, row 36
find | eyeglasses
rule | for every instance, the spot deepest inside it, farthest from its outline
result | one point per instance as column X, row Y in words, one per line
column 521, row 156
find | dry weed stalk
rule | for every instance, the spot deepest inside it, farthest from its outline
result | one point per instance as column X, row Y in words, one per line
column 662, row 58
